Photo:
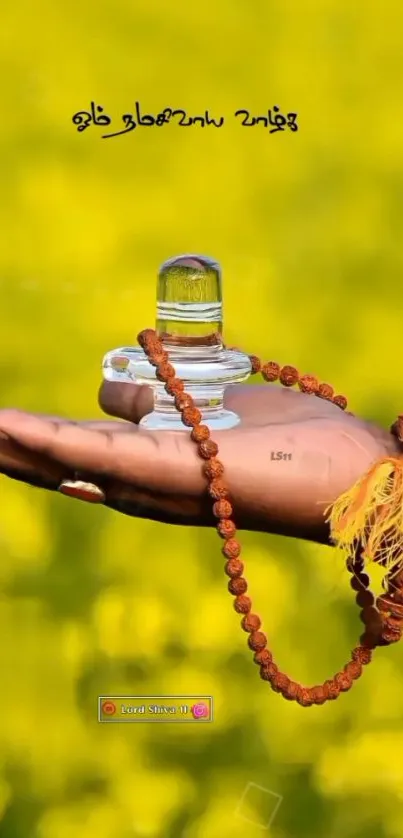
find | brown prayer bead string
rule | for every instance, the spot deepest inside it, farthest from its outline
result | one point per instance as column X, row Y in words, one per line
column 382, row 618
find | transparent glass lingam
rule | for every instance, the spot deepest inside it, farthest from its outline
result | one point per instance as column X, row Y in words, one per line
column 189, row 323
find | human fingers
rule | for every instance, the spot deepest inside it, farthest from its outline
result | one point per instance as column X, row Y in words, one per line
column 36, row 469
column 28, row 466
column 111, row 450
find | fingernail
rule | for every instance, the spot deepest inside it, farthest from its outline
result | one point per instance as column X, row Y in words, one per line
column 82, row 491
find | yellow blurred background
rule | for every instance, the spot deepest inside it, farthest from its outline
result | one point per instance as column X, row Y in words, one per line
column 307, row 226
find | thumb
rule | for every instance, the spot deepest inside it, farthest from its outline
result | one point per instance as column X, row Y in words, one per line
column 125, row 401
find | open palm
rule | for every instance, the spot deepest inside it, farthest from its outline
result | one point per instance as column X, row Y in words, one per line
column 290, row 457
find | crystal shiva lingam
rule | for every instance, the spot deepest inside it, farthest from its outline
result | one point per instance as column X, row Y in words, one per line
column 189, row 324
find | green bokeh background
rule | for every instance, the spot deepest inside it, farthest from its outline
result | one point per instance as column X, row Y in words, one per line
column 307, row 227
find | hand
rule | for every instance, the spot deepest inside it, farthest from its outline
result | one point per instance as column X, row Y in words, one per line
column 158, row 475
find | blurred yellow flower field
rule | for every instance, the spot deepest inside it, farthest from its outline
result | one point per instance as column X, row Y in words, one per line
column 307, row 226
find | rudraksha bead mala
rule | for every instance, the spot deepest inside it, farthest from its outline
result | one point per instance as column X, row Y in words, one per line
column 382, row 617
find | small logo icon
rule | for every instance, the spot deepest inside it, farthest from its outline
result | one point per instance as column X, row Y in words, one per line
column 199, row 710
column 109, row 708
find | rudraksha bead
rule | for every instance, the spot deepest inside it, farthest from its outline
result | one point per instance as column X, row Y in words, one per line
column 353, row 669
column 325, row 391
column 256, row 364
column 226, row 528
column 231, row 548
column 331, row 690
column 251, row 622
column 282, row 682
column 308, row 384
column 213, row 468
column 341, row 401
column 222, row 509
column 268, row 672
column 234, row 568
column 257, row 641
column 174, row 387
column 391, row 633
column 271, row 371
column 148, row 338
column 191, row 416
column 207, row 448
column 237, row 586
column 303, row 697
column 318, row 694
column 288, row 376
column 159, row 358
column 165, row 371
column 183, row 401
column 242, row 604
column 200, row 433
column 290, row 691
column 263, row 658
column 217, row 489
column 362, row 654
column 343, row 681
